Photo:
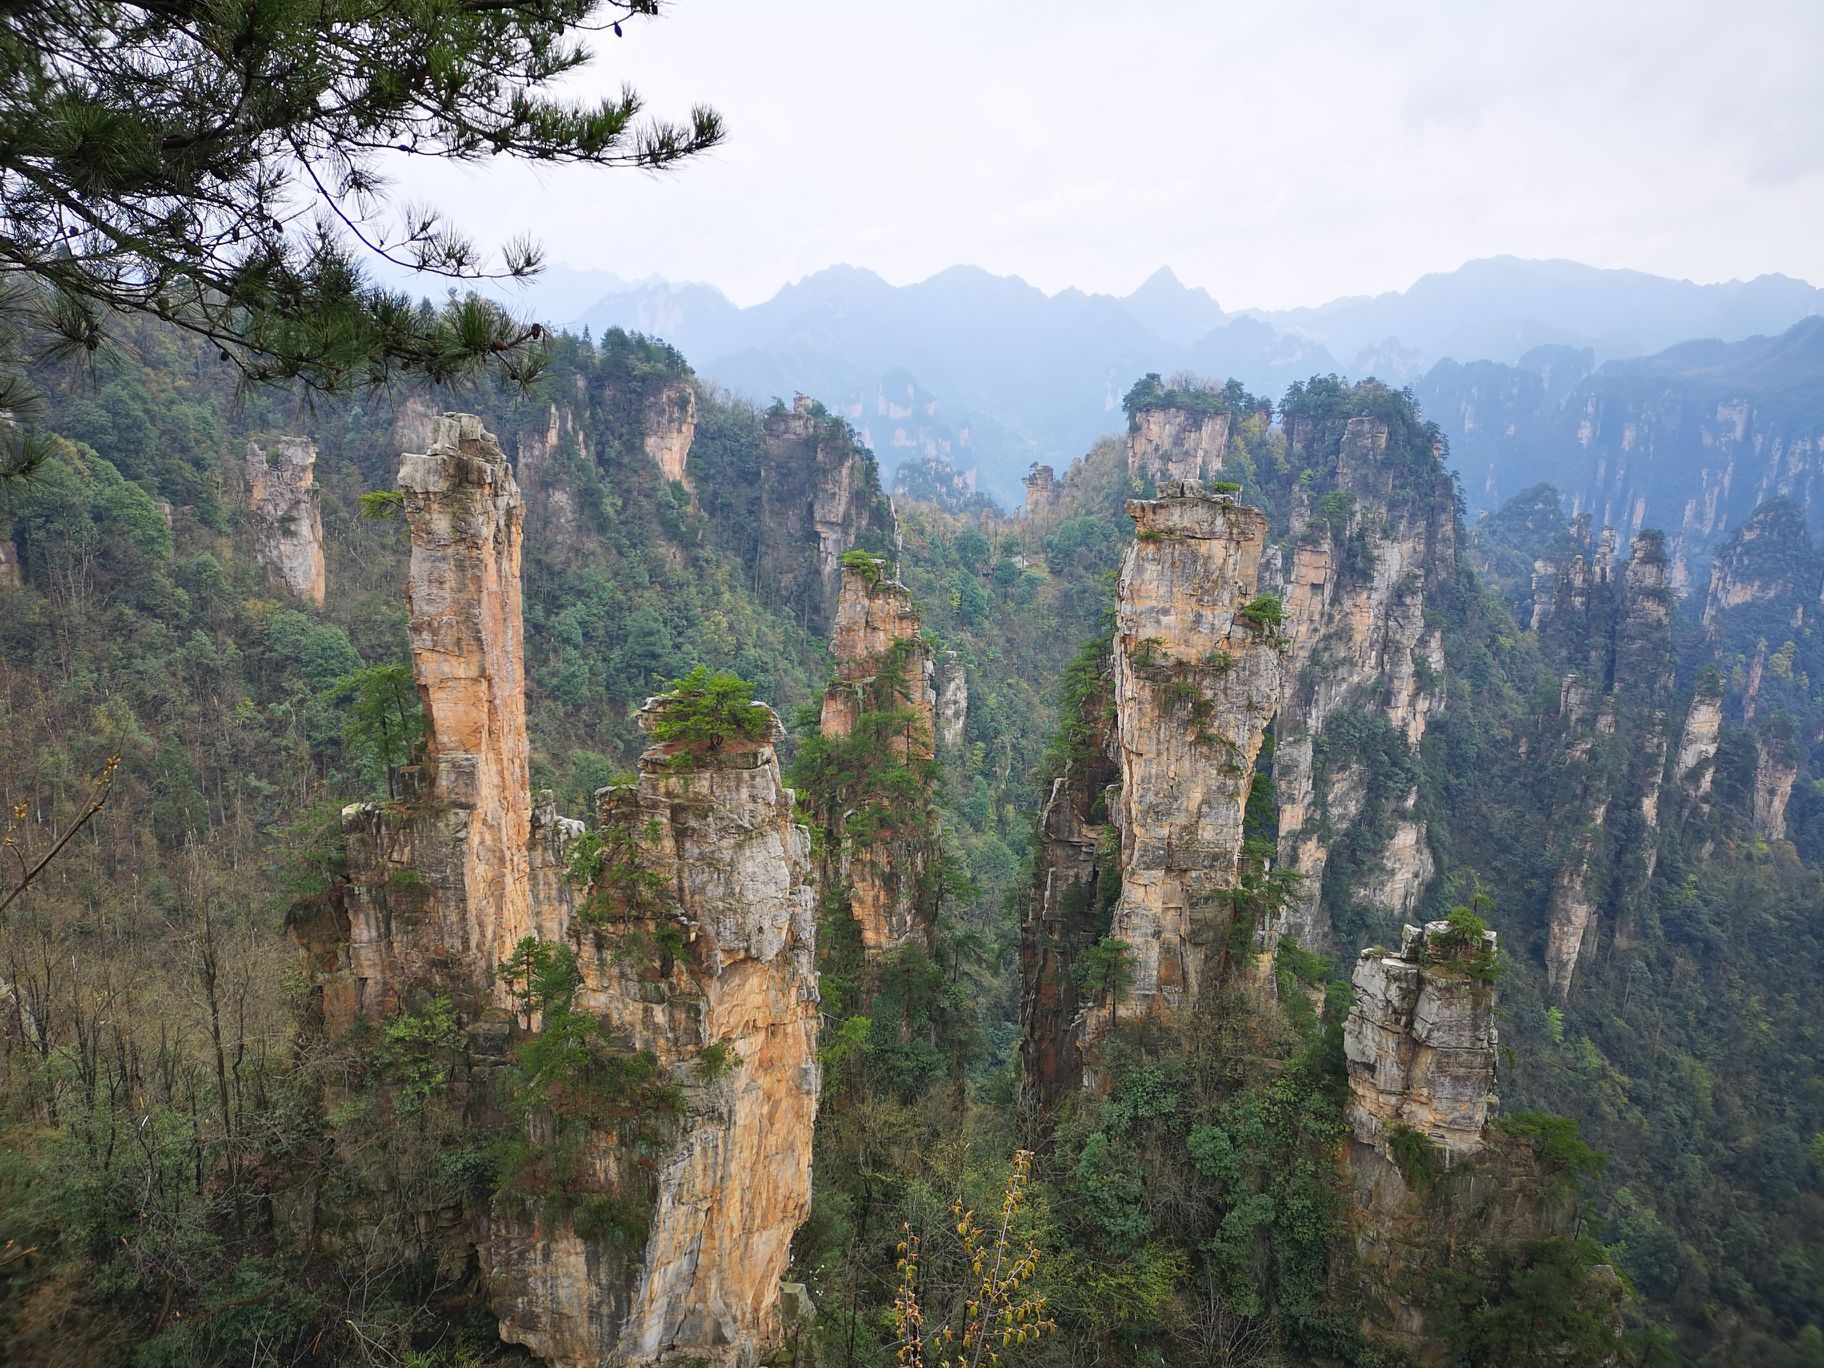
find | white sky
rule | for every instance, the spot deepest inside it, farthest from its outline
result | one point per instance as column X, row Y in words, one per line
column 1277, row 152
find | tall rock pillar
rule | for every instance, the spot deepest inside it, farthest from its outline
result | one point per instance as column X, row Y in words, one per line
column 438, row 884
column 1196, row 680
column 283, row 497
column 880, row 695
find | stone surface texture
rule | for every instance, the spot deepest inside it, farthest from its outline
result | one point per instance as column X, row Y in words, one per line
column 731, row 1181
column 1421, row 1041
column 1359, row 574
column 283, row 497
column 1195, row 683
column 713, row 974
column 820, row 496
column 1173, row 443
column 952, row 700
column 670, row 424
column 881, row 663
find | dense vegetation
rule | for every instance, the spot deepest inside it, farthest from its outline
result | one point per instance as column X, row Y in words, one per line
column 155, row 1086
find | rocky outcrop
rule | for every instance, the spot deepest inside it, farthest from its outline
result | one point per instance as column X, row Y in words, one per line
column 1363, row 566
column 1041, row 490
column 283, row 497
column 551, row 500
column 1610, row 740
column 668, row 427
column 1421, row 1040
column 1775, row 771
column 695, row 943
column 952, row 700
column 652, row 1219
column 1076, row 873
column 1176, row 442
column 437, row 892
column 1766, row 561
column 1196, row 679
column 880, row 696
column 820, row 495
column 1695, row 766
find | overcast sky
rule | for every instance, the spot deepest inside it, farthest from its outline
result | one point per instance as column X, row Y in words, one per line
column 1279, row 152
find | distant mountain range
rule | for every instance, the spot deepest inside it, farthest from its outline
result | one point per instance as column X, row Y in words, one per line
column 1691, row 440
column 991, row 374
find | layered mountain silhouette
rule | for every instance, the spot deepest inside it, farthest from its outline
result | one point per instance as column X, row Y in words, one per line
column 990, row 374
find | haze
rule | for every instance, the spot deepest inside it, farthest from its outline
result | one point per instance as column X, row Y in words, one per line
column 1277, row 155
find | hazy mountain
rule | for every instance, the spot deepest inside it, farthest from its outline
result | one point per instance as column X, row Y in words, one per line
column 1500, row 308
column 989, row 373
column 1691, row 440
column 984, row 371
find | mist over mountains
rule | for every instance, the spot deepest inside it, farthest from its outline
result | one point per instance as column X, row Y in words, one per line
column 989, row 374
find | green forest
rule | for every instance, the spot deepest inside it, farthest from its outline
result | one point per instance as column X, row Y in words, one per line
column 199, row 732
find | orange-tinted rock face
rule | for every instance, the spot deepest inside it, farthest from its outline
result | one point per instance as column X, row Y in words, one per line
column 670, row 425
column 438, row 890
column 710, row 973
column 463, row 604
column 287, row 518
column 882, row 665
column 1421, row 1041
column 1195, row 683
column 730, row 1181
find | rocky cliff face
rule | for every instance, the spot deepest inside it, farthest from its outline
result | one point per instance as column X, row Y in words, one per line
column 1421, row 1041
column 1776, row 769
column 1434, row 1185
column 881, row 685
column 820, row 496
column 692, row 939
column 1195, row 683
column 1766, row 562
column 1695, row 765
column 437, row 892
column 1076, row 876
column 670, row 424
column 952, row 700
column 1364, row 662
column 695, row 943
column 1041, row 490
column 1610, row 740
column 283, row 497
column 1169, row 442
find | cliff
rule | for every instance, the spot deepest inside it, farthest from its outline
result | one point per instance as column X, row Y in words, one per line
column 437, row 888
column 1076, row 877
column 1042, row 490
column 1364, row 669
column 1196, row 679
column 283, row 497
column 636, row 1005
column 694, row 942
column 1767, row 562
column 1421, row 1038
column 820, row 495
column 1610, row 741
column 878, row 733
column 952, row 700
column 669, row 425
column 1176, row 442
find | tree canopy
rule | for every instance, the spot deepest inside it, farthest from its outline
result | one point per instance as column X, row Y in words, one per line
column 219, row 164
